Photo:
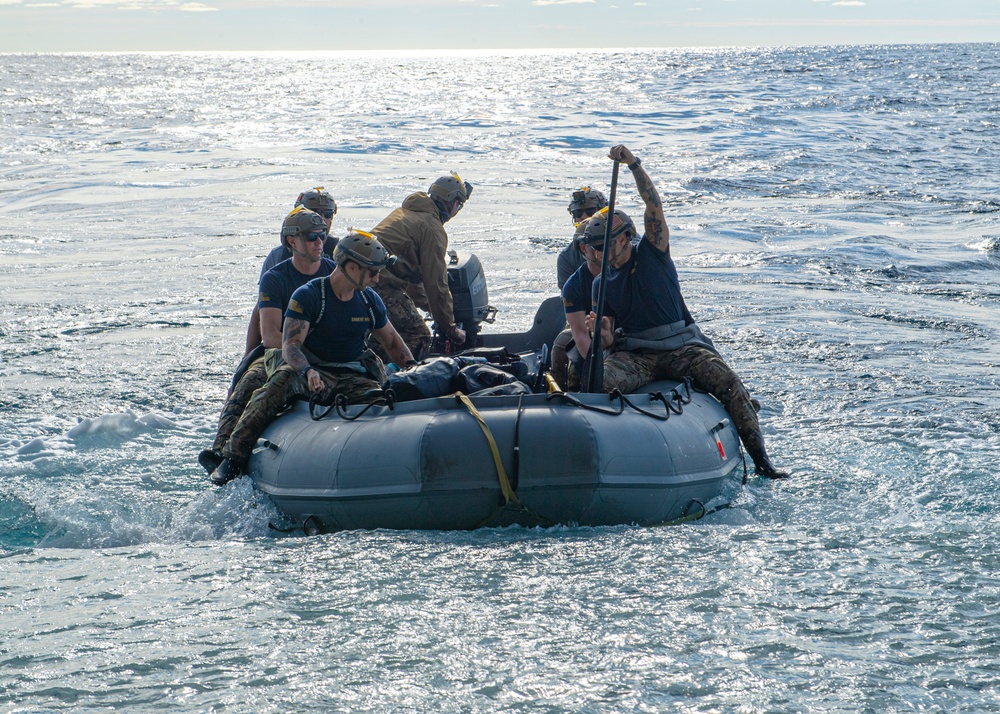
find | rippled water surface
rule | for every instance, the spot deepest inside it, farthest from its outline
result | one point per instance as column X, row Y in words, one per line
column 834, row 219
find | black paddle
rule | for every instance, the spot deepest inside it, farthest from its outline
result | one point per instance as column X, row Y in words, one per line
column 594, row 368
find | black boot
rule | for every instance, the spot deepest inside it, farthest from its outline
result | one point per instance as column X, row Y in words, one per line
column 754, row 444
column 227, row 471
column 210, row 459
column 765, row 468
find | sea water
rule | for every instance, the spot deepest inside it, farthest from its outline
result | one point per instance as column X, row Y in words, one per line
column 833, row 215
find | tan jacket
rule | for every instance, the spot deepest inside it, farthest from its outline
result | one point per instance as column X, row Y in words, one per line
column 415, row 235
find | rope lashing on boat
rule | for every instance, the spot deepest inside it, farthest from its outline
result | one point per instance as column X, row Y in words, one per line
column 387, row 397
column 570, row 399
column 673, row 402
column 508, row 492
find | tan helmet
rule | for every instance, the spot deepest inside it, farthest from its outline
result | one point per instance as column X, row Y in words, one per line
column 450, row 188
column 593, row 234
column 319, row 200
column 364, row 249
column 301, row 222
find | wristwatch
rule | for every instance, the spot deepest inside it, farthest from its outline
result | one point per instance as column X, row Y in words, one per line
column 306, row 371
column 637, row 162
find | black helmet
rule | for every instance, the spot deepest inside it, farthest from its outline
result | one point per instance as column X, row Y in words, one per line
column 364, row 249
column 450, row 188
column 586, row 198
column 598, row 224
column 318, row 199
column 301, row 222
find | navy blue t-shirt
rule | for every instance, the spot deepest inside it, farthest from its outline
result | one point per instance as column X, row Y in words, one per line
column 577, row 291
column 279, row 254
column 339, row 335
column 278, row 283
column 645, row 292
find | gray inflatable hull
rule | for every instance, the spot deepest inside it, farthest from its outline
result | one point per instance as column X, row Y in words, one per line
column 428, row 465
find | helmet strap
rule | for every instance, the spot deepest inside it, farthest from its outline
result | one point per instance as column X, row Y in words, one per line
column 356, row 284
column 443, row 211
column 612, row 254
column 305, row 256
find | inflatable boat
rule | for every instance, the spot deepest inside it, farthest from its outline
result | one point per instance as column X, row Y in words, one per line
column 537, row 458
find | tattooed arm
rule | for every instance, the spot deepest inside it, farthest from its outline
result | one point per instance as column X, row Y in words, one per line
column 293, row 336
column 657, row 232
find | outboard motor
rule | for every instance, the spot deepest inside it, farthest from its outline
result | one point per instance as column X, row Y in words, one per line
column 467, row 283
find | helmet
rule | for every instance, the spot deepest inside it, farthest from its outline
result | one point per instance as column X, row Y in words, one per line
column 449, row 188
column 598, row 224
column 364, row 249
column 586, row 198
column 580, row 232
column 301, row 222
column 318, row 199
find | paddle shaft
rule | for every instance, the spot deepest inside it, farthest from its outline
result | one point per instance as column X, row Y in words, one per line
column 595, row 374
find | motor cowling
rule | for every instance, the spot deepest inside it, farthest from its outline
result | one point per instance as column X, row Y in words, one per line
column 470, row 298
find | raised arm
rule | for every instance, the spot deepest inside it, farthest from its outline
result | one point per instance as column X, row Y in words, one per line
column 657, row 232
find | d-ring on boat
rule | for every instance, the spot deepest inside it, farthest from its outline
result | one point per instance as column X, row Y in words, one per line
column 461, row 461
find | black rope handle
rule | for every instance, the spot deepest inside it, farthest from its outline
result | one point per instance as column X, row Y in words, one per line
column 577, row 403
column 314, row 402
column 341, row 403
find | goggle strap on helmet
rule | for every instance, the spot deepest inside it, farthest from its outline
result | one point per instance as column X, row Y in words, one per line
column 451, row 188
column 302, row 221
column 355, row 237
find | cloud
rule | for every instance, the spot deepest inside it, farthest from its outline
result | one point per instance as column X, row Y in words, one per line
column 562, row 2
column 849, row 3
column 196, row 7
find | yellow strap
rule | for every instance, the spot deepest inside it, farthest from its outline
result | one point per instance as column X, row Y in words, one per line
column 508, row 492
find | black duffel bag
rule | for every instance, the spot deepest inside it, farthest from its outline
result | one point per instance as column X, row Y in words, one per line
column 478, row 377
column 436, row 377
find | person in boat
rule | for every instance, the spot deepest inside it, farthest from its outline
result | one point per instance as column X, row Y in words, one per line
column 586, row 202
column 324, row 346
column 415, row 233
column 318, row 200
column 573, row 343
column 657, row 338
column 303, row 233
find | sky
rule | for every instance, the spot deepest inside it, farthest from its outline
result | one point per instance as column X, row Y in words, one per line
column 256, row 25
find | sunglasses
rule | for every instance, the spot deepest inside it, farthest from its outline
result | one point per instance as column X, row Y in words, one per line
column 313, row 237
column 326, row 214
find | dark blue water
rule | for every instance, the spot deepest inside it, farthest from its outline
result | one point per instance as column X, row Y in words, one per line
column 834, row 219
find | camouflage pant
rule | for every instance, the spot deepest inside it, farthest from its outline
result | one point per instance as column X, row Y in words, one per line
column 284, row 387
column 628, row 371
column 252, row 380
column 407, row 320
